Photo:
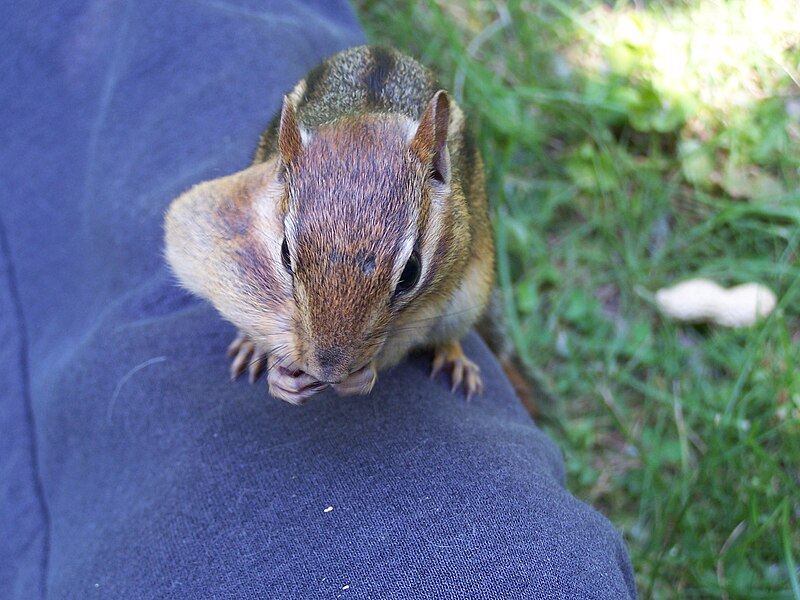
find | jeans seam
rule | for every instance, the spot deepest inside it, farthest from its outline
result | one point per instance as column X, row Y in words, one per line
column 38, row 486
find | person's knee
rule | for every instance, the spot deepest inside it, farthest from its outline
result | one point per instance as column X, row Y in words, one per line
column 582, row 555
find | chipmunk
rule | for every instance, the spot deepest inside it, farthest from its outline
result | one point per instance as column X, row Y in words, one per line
column 360, row 232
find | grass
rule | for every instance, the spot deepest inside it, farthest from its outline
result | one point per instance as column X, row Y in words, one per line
column 628, row 149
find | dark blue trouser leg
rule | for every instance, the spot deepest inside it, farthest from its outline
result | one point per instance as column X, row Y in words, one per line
column 131, row 467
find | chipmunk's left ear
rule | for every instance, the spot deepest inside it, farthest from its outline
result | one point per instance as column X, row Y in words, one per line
column 430, row 140
column 290, row 142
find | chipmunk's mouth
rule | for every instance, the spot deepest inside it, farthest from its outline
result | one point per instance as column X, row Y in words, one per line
column 293, row 385
column 296, row 386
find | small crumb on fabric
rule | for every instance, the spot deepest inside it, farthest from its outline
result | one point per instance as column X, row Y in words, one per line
column 329, row 509
column 346, row 587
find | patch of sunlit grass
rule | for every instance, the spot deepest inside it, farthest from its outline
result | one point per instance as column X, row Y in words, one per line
column 712, row 57
column 724, row 77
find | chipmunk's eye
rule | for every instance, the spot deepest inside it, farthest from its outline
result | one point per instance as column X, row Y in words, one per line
column 410, row 275
column 287, row 264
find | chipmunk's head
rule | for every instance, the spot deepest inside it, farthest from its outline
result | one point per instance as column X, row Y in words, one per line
column 369, row 224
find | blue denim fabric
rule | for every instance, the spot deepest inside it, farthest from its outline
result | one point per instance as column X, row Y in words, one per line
column 130, row 467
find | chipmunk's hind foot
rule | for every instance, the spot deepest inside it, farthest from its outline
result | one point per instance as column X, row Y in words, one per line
column 247, row 356
column 464, row 373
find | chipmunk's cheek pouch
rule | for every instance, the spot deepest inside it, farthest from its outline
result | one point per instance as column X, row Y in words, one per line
column 358, row 383
column 294, row 387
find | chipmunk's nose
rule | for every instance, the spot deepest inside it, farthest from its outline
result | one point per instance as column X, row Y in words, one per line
column 333, row 363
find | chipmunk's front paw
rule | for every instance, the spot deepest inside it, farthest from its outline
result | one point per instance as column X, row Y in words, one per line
column 246, row 356
column 358, row 383
column 463, row 372
column 291, row 385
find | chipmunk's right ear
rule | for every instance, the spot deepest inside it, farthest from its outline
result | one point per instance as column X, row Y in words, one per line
column 430, row 139
column 290, row 142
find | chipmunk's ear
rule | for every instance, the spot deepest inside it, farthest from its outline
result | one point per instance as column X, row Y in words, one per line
column 430, row 140
column 290, row 143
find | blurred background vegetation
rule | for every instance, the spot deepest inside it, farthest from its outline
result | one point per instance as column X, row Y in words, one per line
column 630, row 146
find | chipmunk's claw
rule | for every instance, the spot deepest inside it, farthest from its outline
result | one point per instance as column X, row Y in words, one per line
column 439, row 359
column 256, row 368
column 246, row 356
column 473, row 384
column 464, row 373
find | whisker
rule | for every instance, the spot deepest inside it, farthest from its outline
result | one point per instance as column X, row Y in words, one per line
column 455, row 313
